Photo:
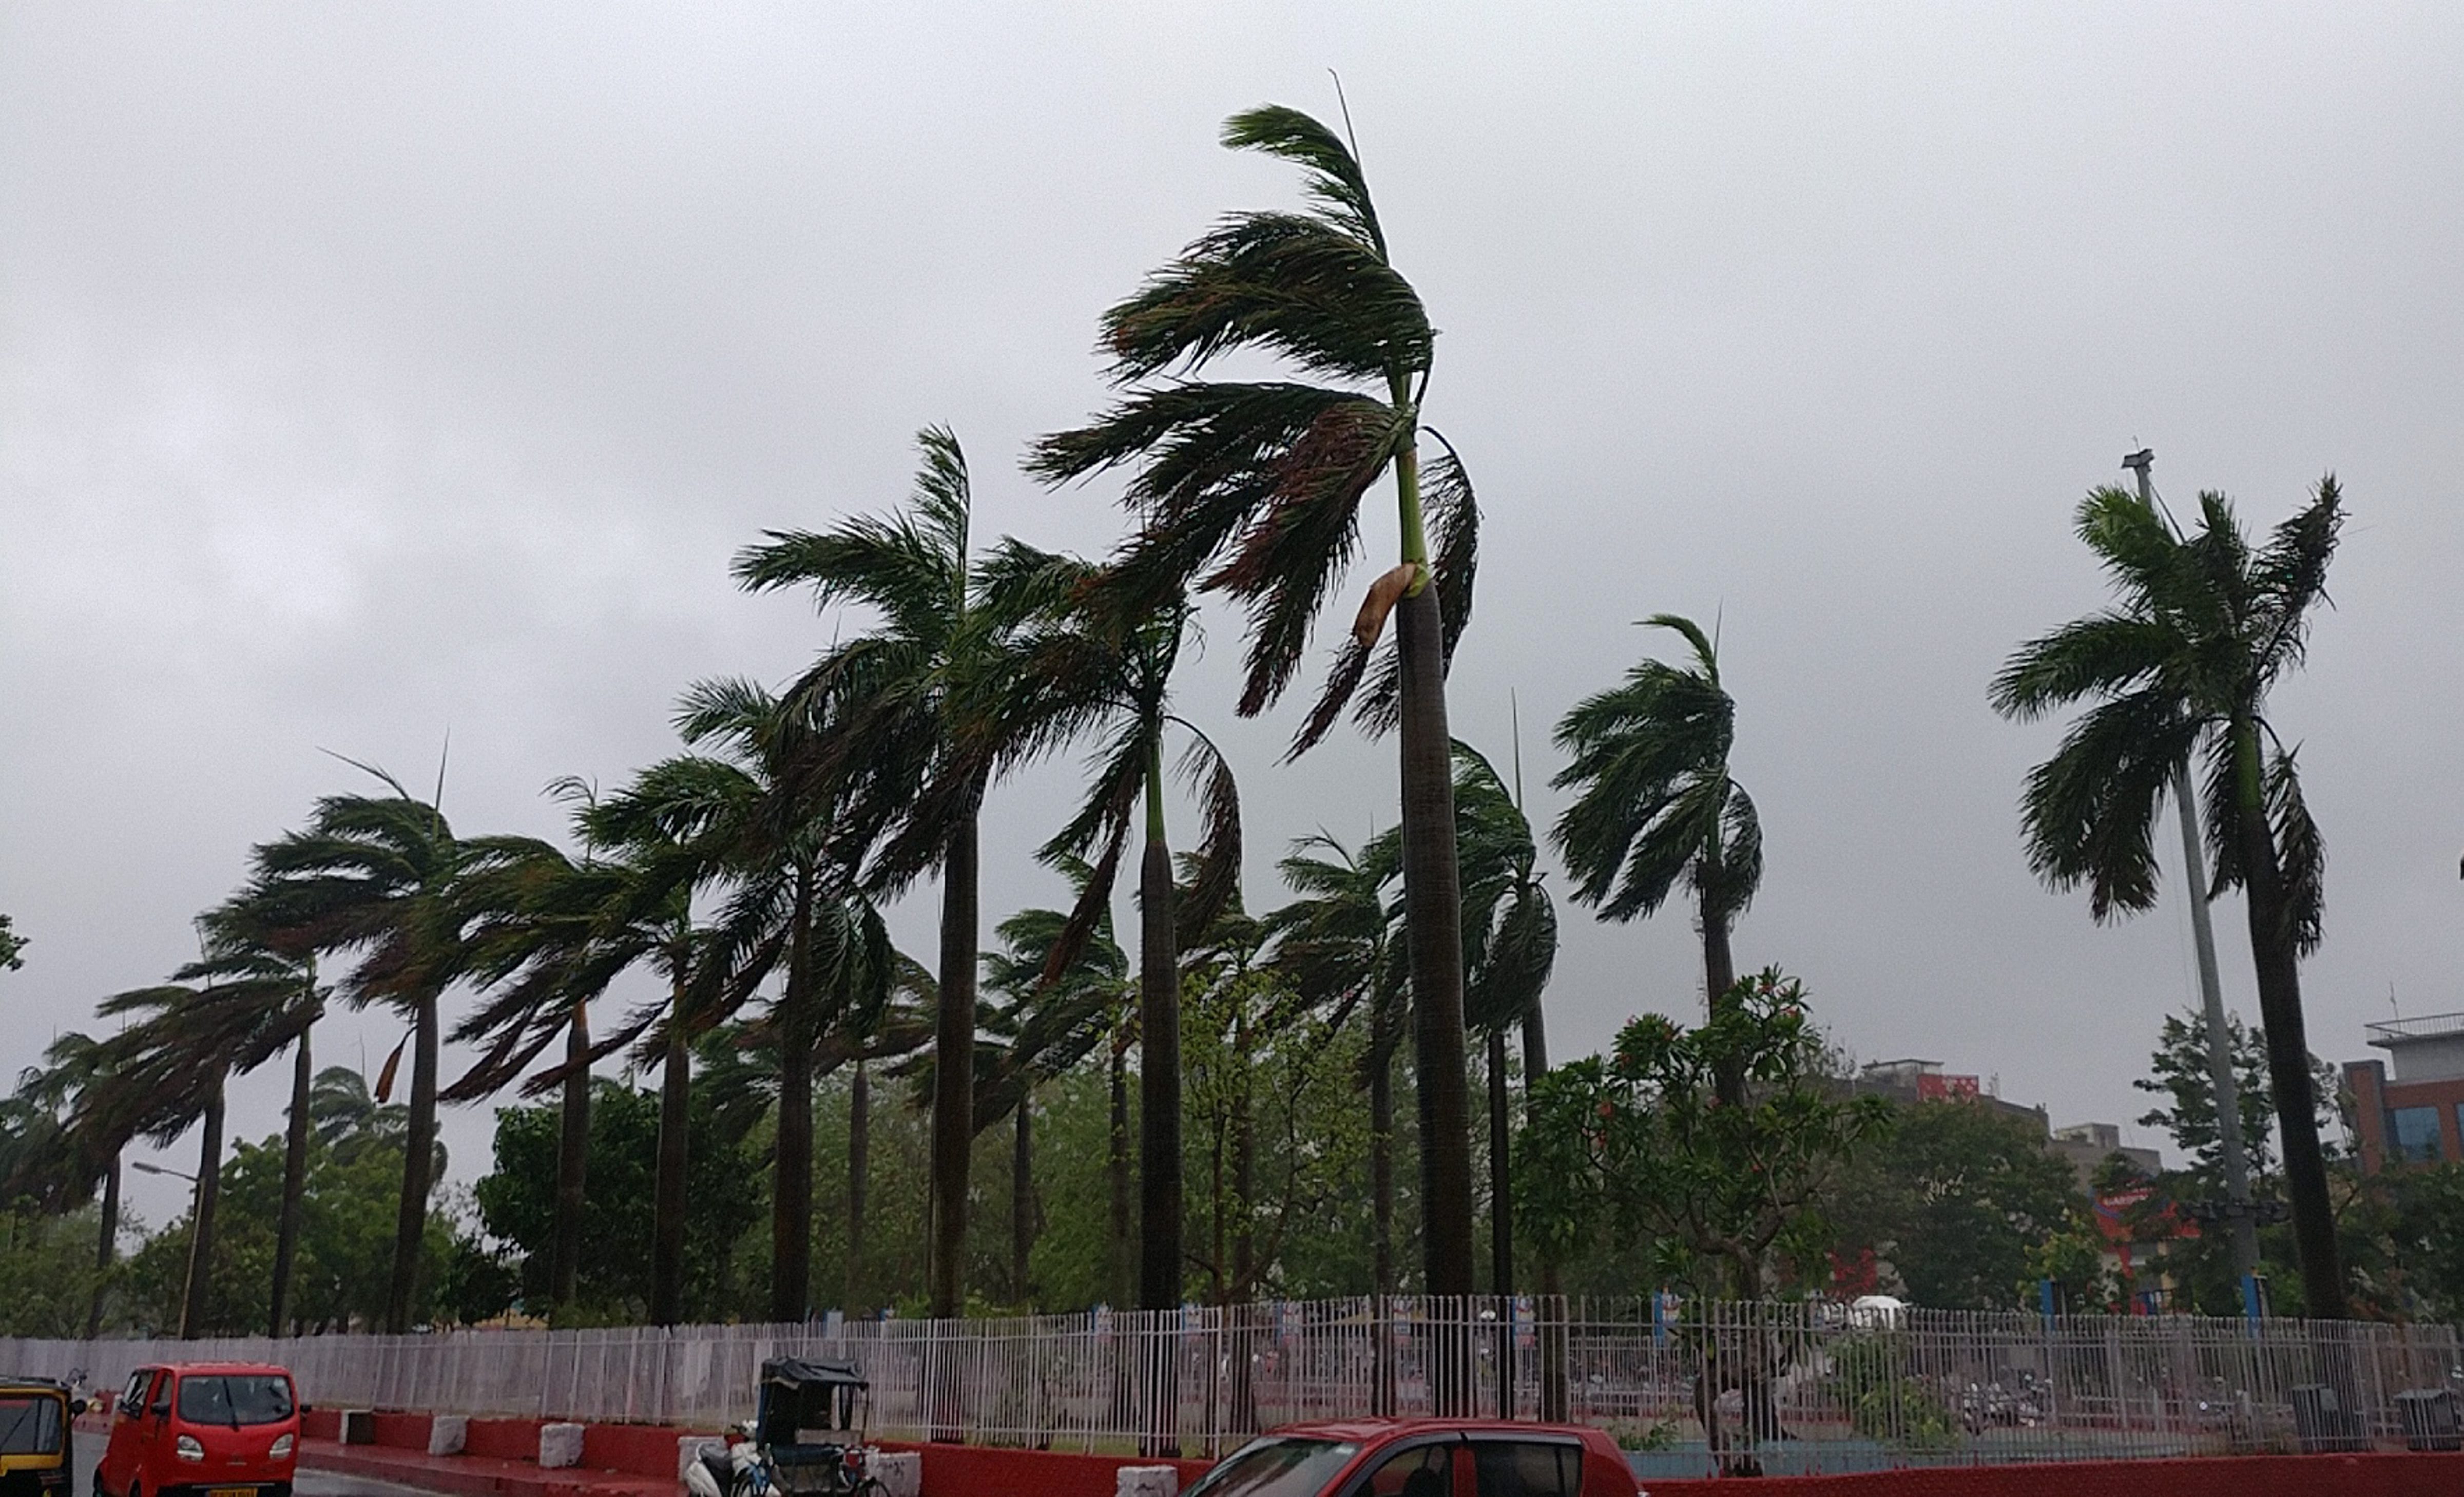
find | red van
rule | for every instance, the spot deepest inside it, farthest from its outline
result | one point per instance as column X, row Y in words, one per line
column 1424, row 1458
column 203, row 1429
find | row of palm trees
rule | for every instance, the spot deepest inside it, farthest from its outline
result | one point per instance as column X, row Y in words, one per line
column 747, row 871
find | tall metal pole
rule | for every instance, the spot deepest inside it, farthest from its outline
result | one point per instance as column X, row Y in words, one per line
column 2211, row 997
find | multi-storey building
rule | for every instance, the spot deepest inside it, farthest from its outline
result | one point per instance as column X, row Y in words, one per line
column 2417, row 1115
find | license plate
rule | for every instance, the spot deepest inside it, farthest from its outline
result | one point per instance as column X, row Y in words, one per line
column 231, row 1492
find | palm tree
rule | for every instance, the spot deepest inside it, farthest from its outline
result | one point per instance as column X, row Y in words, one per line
column 747, row 811
column 1255, row 489
column 374, row 878
column 1335, row 945
column 11, row 947
column 58, row 1166
column 1510, row 949
column 169, row 1069
column 912, row 742
column 1657, row 804
column 2179, row 671
column 290, row 1003
column 1049, row 1022
column 1088, row 672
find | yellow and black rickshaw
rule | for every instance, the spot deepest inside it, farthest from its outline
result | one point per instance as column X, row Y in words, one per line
column 37, row 1444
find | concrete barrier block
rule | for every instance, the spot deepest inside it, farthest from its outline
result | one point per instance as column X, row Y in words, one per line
column 359, row 1426
column 560, row 1445
column 1146, row 1480
column 448, row 1434
column 901, row 1472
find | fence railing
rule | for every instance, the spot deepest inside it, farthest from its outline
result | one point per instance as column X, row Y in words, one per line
column 1812, row 1387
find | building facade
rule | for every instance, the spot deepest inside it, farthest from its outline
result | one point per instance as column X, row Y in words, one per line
column 2409, row 1109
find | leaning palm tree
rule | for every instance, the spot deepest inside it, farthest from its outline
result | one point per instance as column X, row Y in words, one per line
column 374, row 878
column 2179, row 671
column 910, row 743
column 1657, row 804
column 170, row 1067
column 1087, row 672
column 290, row 1002
column 1255, row 489
column 55, row 1165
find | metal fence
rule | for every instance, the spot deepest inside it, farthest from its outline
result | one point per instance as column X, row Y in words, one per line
column 1690, row 1388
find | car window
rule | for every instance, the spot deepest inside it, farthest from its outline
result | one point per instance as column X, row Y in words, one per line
column 134, row 1398
column 1277, row 1467
column 1420, row 1471
column 235, row 1398
column 30, row 1425
column 1526, row 1468
column 161, row 1392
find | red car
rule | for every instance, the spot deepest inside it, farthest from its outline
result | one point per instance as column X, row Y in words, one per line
column 203, row 1429
column 1424, row 1458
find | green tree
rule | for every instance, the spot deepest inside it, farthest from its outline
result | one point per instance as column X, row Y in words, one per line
column 12, row 947
column 2426, row 1232
column 1255, row 489
column 56, row 1167
column 376, row 879
column 1641, row 1144
column 613, row 1278
column 1958, row 1197
column 1656, row 804
column 912, row 739
column 2179, row 670
column 1086, row 672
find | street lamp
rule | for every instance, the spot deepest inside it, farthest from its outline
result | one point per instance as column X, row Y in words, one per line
column 144, row 1168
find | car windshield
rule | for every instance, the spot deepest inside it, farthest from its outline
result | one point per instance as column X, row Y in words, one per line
column 1279, row 1467
column 30, row 1425
column 235, row 1398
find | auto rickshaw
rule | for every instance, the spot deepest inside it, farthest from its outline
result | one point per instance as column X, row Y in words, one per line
column 807, row 1437
column 37, row 1444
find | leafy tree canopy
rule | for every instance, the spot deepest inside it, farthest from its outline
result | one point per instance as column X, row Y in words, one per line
column 1956, row 1198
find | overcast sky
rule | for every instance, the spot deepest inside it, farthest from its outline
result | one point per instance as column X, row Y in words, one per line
column 369, row 371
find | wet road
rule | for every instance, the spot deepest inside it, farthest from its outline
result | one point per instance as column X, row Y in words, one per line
column 310, row 1484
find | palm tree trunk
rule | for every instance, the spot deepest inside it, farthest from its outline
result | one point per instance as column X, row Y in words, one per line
column 294, row 1185
column 668, row 1205
column 201, row 1223
column 1245, row 1170
column 1022, row 1200
column 954, row 1067
column 859, row 1169
column 1719, row 976
column 418, row 1165
column 1433, row 914
column 1550, row 1303
column 1116, row 1168
column 106, row 1245
column 1500, row 1199
column 572, row 1162
column 2275, row 955
column 791, row 1200
column 1381, row 1171
column 1159, row 1144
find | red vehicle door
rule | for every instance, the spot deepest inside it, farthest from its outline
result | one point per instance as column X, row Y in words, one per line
column 144, row 1407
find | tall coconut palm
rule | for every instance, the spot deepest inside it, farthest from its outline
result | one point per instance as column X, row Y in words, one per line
column 912, row 743
column 2179, row 671
column 1255, row 489
column 1656, row 805
column 1088, row 672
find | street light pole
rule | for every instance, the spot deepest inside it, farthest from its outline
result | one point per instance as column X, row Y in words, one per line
column 2211, row 998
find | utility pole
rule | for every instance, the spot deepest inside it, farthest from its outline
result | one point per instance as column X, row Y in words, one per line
column 2238, row 1212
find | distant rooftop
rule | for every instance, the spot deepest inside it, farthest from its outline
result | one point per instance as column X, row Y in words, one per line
column 2389, row 1033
